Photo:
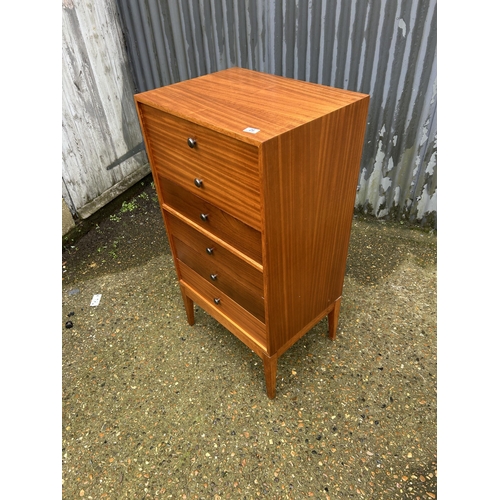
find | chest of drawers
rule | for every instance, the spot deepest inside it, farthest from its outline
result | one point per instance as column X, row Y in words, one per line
column 256, row 177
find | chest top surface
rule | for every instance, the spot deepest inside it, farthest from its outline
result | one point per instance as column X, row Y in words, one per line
column 233, row 100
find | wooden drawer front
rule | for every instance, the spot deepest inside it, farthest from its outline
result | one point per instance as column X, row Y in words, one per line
column 242, row 282
column 228, row 168
column 238, row 234
column 236, row 283
column 224, row 305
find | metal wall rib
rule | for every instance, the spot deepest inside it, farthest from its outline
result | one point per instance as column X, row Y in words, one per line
column 386, row 48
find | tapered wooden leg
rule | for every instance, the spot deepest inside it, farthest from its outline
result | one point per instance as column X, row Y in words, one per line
column 333, row 320
column 188, row 306
column 270, row 366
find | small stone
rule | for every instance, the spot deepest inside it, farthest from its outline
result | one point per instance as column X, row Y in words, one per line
column 69, row 324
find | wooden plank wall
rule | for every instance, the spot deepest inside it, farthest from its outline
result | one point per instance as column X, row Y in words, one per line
column 102, row 148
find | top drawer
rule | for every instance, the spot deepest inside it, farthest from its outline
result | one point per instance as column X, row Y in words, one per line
column 227, row 168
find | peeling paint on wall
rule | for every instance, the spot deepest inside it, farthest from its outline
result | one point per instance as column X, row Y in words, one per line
column 402, row 25
column 427, row 203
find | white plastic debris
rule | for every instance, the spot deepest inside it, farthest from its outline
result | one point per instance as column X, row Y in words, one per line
column 96, row 299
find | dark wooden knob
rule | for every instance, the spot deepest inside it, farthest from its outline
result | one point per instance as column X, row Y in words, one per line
column 210, row 251
column 191, row 142
column 217, row 301
column 198, row 183
column 204, row 217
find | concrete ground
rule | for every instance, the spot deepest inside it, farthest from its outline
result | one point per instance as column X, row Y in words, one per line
column 154, row 408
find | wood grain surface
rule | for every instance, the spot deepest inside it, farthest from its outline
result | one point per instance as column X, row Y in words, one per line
column 307, row 218
column 278, row 200
column 218, row 222
column 231, row 100
column 227, row 168
column 228, row 312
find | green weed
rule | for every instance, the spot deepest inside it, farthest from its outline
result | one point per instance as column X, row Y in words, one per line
column 129, row 206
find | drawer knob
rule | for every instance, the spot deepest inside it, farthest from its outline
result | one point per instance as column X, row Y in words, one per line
column 204, row 217
column 198, row 183
column 217, row 301
column 210, row 251
column 191, row 142
column 213, row 277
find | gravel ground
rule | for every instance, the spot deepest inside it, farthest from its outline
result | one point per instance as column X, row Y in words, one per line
column 153, row 408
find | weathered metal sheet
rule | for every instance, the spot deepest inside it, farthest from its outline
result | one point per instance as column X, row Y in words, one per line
column 100, row 126
column 386, row 48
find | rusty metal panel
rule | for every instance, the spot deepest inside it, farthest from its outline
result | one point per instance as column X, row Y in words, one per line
column 102, row 146
column 385, row 48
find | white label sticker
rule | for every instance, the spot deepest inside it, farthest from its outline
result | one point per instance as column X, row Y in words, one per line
column 96, row 299
column 251, row 130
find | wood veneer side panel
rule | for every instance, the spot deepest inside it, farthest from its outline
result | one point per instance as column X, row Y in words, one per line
column 354, row 133
column 276, row 312
column 266, row 150
column 309, row 182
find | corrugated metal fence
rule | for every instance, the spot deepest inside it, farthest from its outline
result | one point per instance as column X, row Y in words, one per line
column 386, row 48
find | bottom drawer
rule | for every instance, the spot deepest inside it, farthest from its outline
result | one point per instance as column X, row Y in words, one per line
column 223, row 304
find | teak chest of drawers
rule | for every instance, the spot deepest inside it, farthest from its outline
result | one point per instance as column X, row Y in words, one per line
column 256, row 177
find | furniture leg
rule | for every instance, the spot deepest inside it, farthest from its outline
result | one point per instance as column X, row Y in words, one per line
column 333, row 320
column 188, row 306
column 270, row 366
